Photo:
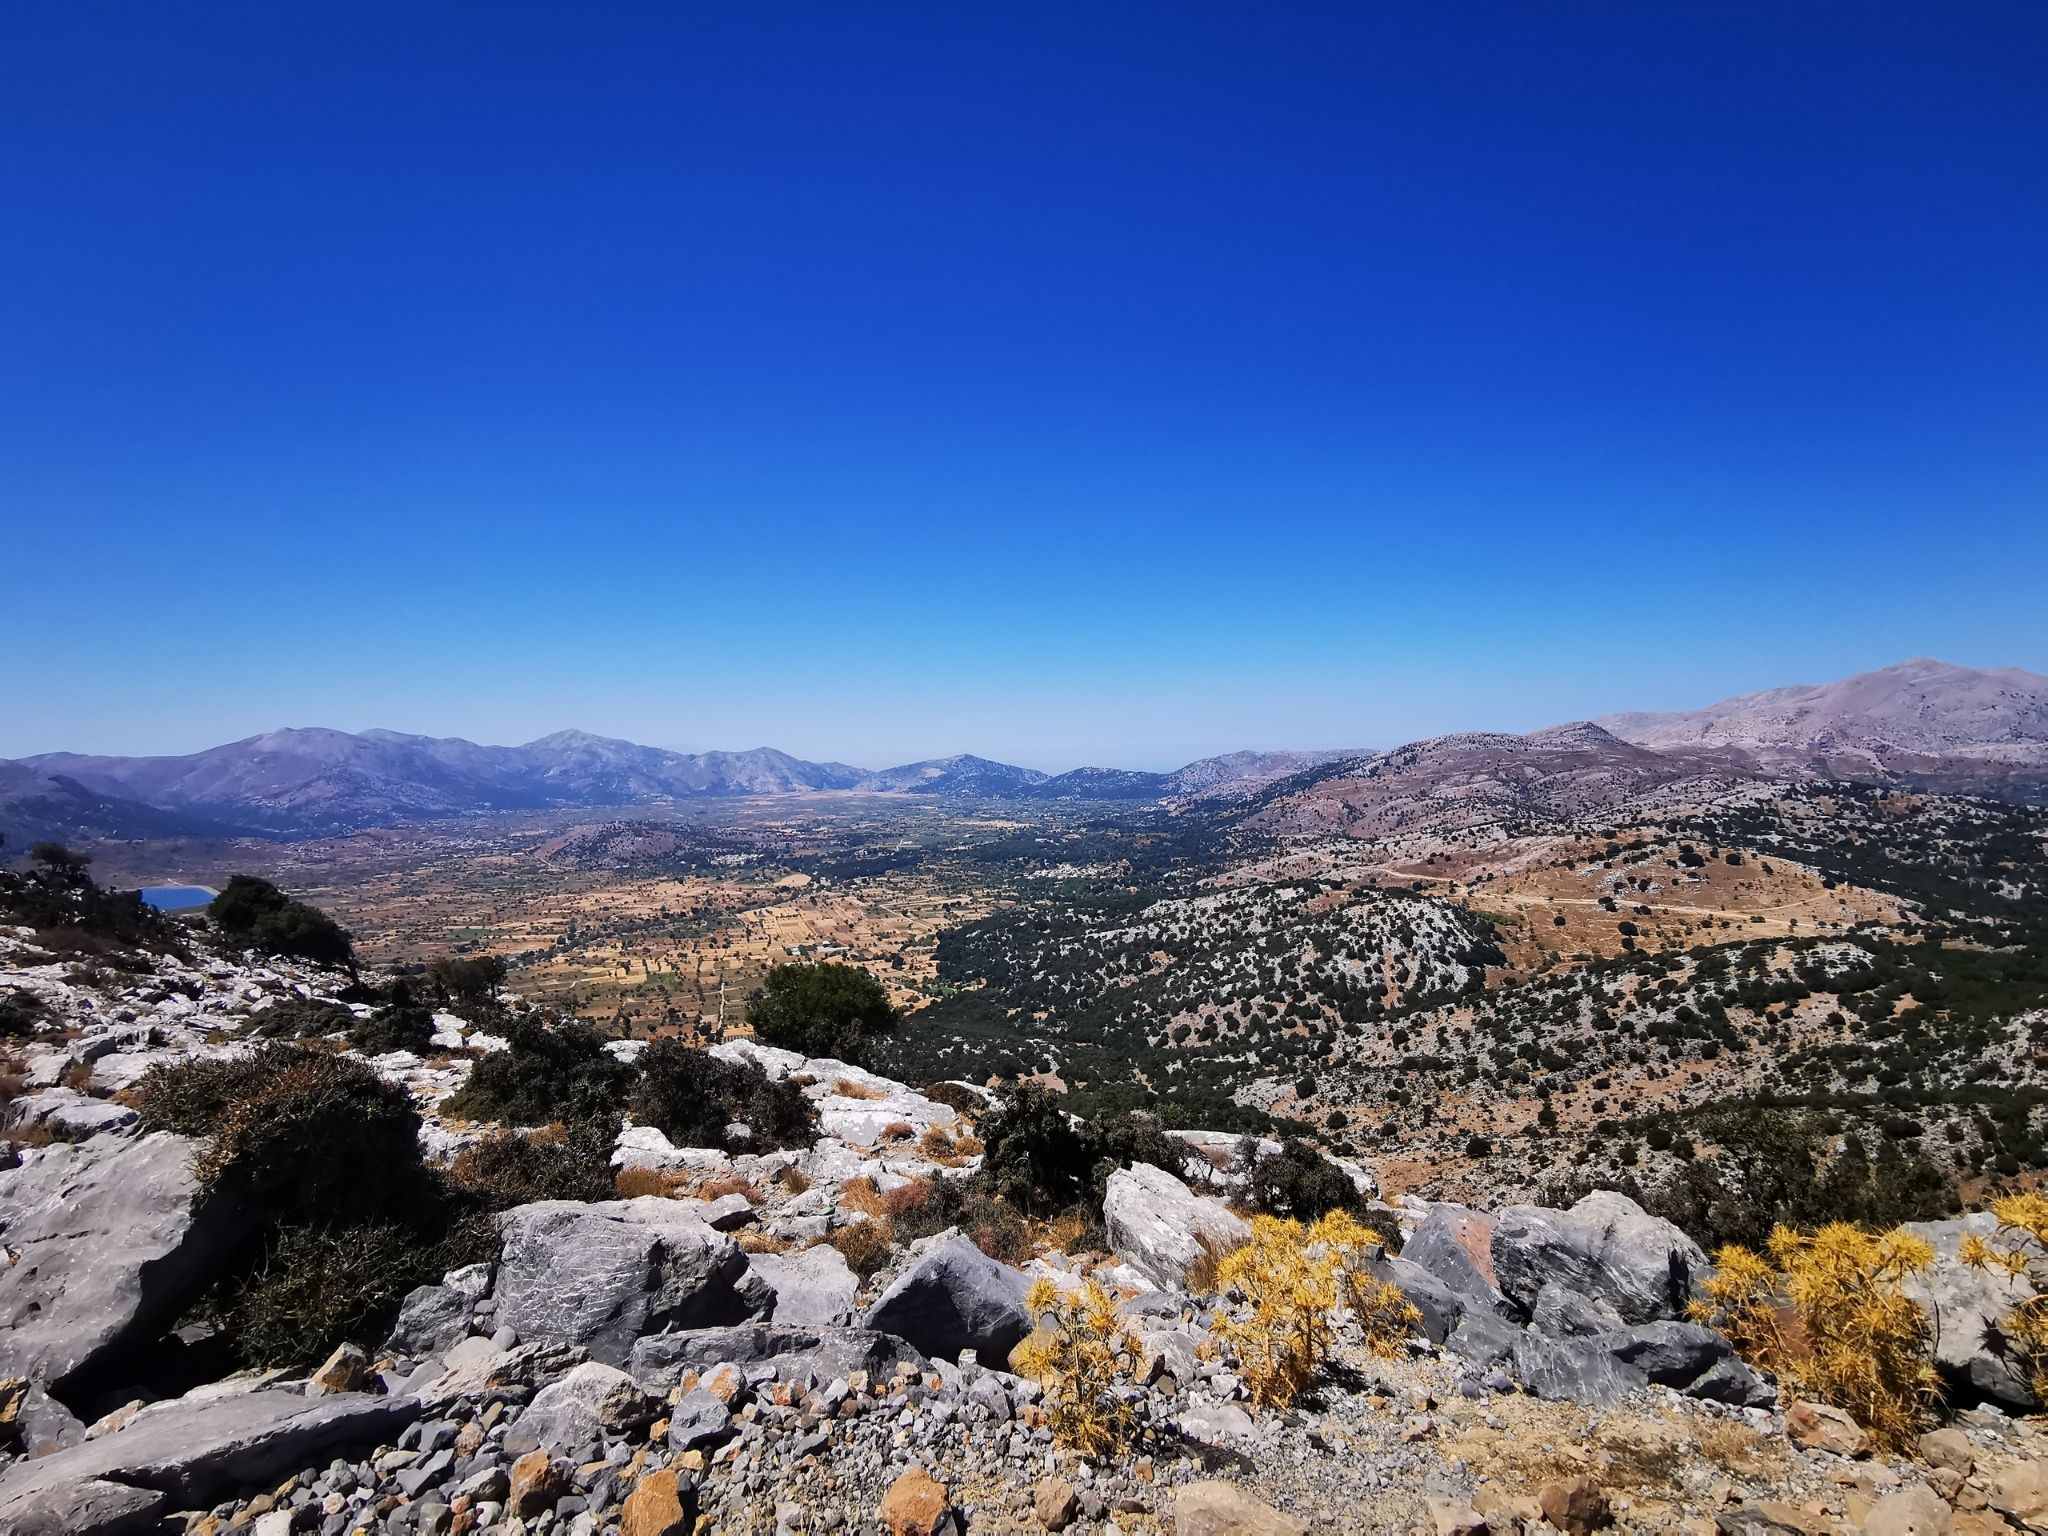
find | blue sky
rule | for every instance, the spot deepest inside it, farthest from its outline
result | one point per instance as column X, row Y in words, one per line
column 1062, row 383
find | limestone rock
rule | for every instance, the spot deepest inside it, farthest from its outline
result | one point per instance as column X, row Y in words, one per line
column 592, row 1400
column 1605, row 1247
column 600, row 1275
column 1819, row 1427
column 813, row 1285
column 1949, row 1449
column 536, row 1485
column 1223, row 1509
column 1159, row 1226
column 1055, row 1503
column 955, row 1297
column 661, row 1359
column 189, row 1451
column 1914, row 1511
column 1967, row 1308
column 346, row 1370
column 2020, row 1493
column 1450, row 1517
column 656, row 1507
column 108, row 1241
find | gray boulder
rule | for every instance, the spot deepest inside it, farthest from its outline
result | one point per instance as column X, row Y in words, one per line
column 1572, row 1370
column 593, row 1400
column 1445, row 1243
column 1441, row 1307
column 813, row 1285
column 108, row 1240
column 1159, row 1226
column 432, row 1318
column 822, row 1354
column 1967, row 1310
column 955, row 1297
column 1483, row 1340
column 1606, row 1248
column 598, row 1276
column 1564, row 1313
column 186, row 1454
column 1697, row 1361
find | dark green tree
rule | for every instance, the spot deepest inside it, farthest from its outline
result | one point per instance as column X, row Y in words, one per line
column 820, row 1010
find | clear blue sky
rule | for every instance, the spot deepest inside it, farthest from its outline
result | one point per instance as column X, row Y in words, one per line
column 1109, row 383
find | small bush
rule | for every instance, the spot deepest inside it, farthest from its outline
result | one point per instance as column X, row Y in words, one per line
column 690, row 1096
column 1084, row 1357
column 925, row 1206
column 1296, row 1181
column 1829, row 1313
column 1039, row 1159
column 1292, row 1280
column 956, row 1097
column 820, row 1010
column 394, row 1027
column 300, row 1018
column 319, row 1286
column 21, row 1014
column 547, row 1073
column 296, row 1130
column 507, row 1169
column 865, row 1245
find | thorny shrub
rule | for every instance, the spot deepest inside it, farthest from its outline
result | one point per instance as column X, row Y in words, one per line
column 1828, row 1312
column 2019, row 1253
column 864, row 1245
column 1292, row 1281
column 1083, row 1356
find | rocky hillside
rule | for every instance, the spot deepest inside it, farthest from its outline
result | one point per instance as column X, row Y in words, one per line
column 1925, row 723
column 818, row 1322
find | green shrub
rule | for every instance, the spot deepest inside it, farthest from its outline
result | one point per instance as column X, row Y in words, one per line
column 394, row 1027
column 297, row 1131
column 507, row 1169
column 253, row 914
column 317, row 1286
column 1041, row 1160
column 1296, row 1181
column 547, row 1073
column 820, row 1010
column 1772, row 1168
column 690, row 1096
column 300, row 1018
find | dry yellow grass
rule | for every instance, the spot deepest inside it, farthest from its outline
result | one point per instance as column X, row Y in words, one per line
column 632, row 1183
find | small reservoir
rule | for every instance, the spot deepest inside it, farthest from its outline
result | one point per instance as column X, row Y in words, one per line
column 177, row 898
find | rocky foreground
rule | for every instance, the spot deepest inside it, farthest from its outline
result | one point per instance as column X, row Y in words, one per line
column 705, row 1359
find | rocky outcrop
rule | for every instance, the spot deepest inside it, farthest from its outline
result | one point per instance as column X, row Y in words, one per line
column 185, row 1453
column 952, row 1298
column 599, row 1276
column 105, row 1240
column 1162, row 1228
column 1606, row 1248
column 433, row 1317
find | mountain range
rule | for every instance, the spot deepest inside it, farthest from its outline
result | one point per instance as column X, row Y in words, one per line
column 1923, row 724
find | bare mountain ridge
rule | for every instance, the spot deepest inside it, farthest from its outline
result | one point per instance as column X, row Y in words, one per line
column 1482, row 783
column 1922, row 724
column 1925, row 724
column 311, row 781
